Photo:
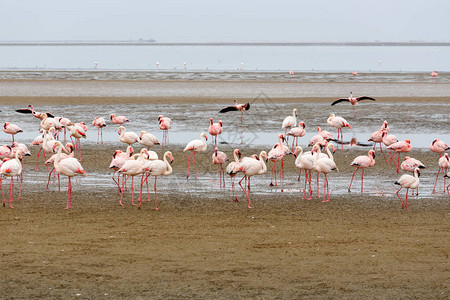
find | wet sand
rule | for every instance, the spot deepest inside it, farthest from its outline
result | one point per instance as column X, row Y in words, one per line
column 205, row 246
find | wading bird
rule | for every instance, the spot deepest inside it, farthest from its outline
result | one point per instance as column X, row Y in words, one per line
column 236, row 107
column 196, row 146
column 362, row 162
column 353, row 100
column 408, row 182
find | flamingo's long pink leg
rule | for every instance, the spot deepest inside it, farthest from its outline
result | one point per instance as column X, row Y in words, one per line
column 156, row 208
column 352, row 179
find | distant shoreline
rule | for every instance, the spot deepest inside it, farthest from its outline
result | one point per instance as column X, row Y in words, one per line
column 224, row 44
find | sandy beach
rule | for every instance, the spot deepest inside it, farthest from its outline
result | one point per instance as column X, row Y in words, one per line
column 203, row 245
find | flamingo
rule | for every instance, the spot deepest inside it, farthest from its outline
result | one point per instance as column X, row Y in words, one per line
column 316, row 139
column 410, row 164
column 165, row 124
column 409, row 182
column 389, row 139
column 5, row 151
column 289, row 121
column 324, row 165
column 99, row 123
column 219, row 158
column 69, row 148
column 147, row 139
column 325, row 134
column 47, row 143
column 444, row 163
column 230, row 169
column 30, row 110
column 77, row 132
column 215, row 129
column 11, row 168
column 362, row 162
column 82, row 125
column 236, row 107
column 131, row 167
column 439, row 146
column 127, row 137
column 434, row 74
column 117, row 162
column 278, row 152
column 157, row 168
column 47, row 123
column 118, row 119
column 196, row 146
column 353, row 100
column 338, row 123
column 402, row 146
column 377, row 138
column 305, row 161
column 251, row 167
column 11, row 129
column 69, row 167
column 297, row 132
column 63, row 121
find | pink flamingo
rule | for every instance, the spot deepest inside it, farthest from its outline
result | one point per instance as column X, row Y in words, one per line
column 165, row 124
column 410, row 164
column 305, row 161
column 196, row 146
column 11, row 168
column 118, row 160
column 297, row 132
column 82, row 125
column 77, row 132
column 290, row 121
column 444, row 163
column 434, row 74
column 47, row 123
column 402, row 146
column 362, row 162
column 439, row 146
column 131, row 167
column 69, row 148
column 219, row 158
column 317, row 139
column 127, row 137
column 69, row 167
column 215, row 129
column 147, row 139
column 339, row 123
column 31, row 110
column 409, row 182
column 230, row 169
column 277, row 153
column 389, row 139
column 63, row 121
column 11, row 129
column 353, row 100
column 5, row 151
column 354, row 73
column 251, row 167
column 325, row 134
column 157, row 168
column 118, row 119
column 324, row 165
column 377, row 137
column 99, row 123
column 236, row 107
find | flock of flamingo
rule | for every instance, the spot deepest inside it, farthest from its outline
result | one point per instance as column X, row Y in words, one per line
column 66, row 158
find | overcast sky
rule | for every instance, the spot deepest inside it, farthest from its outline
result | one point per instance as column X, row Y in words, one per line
column 225, row 21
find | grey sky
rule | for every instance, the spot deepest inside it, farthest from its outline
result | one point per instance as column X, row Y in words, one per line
column 222, row 21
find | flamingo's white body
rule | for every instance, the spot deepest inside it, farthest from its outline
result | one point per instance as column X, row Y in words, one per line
column 11, row 168
column 127, row 137
column 409, row 182
column 196, row 146
column 147, row 139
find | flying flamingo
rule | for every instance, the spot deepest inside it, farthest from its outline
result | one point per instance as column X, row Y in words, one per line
column 131, row 167
column 277, row 153
column 196, row 146
column 11, row 129
column 409, row 182
column 219, row 158
column 147, row 139
column 236, row 107
column 402, row 146
column 30, row 110
column 77, row 132
column 157, row 168
column 69, row 148
column 251, row 167
column 439, row 146
column 297, row 132
column 324, row 165
column 362, row 162
column 305, row 161
column 444, row 163
column 127, row 137
column 410, row 164
column 290, row 121
column 215, row 129
column 99, row 123
column 230, row 169
column 117, row 162
column 338, row 123
column 11, row 168
column 353, row 100
column 165, row 124
column 69, row 167
column 118, row 119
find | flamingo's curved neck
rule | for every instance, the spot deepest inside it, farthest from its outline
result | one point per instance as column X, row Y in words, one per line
column 330, row 155
column 168, row 166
